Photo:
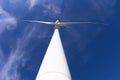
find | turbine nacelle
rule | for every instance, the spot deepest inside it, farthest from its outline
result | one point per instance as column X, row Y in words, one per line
column 57, row 21
column 57, row 24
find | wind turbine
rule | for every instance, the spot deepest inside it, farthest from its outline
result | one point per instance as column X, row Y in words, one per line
column 57, row 23
column 54, row 65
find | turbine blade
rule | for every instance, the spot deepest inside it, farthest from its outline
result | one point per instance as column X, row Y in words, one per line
column 43, row 22
column 71, row 23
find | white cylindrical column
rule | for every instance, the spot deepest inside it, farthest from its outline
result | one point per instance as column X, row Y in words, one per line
column 54, row 65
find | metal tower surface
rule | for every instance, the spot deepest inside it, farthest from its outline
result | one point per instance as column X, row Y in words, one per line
column 54, row 65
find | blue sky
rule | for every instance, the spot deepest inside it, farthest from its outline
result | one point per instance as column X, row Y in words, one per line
column 92, row 51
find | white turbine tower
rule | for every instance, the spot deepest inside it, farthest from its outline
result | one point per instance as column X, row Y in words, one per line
column 54, row 65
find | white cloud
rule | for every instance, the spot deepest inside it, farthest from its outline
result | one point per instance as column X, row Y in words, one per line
column 31, row 3
column 9, row 70
column 1, row 57
column 17, row 58
column 6, row 20
column 52, row 9
column 49, row 7
column 103, row 8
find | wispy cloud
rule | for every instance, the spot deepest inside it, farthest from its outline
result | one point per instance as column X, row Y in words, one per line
column 9, row 68
column 32, row 3
column 49, row 7
column 103, row 8
column 6, row 20
column 52, row 9
column 1, row 57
